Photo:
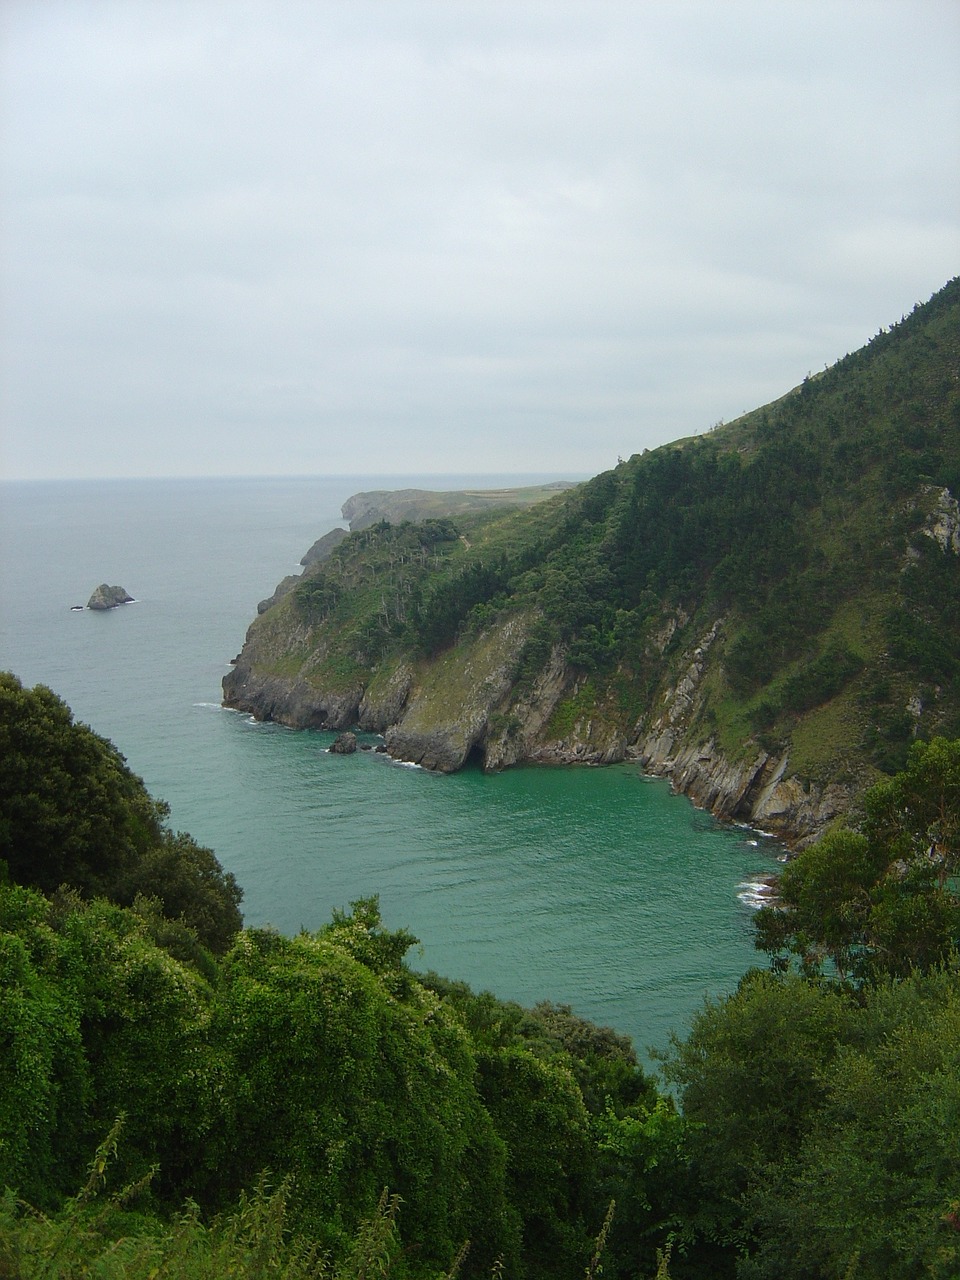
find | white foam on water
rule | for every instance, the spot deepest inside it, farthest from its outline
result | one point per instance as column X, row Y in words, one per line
column 756, row 893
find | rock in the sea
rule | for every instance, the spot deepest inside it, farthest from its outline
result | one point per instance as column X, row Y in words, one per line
column 108, row 597
column 345, row 744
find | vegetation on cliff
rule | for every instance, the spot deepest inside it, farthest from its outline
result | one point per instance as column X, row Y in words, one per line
column 785, row 584
column 309, row 1106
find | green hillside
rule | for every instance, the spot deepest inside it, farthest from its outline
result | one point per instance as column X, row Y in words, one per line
column 769, row 613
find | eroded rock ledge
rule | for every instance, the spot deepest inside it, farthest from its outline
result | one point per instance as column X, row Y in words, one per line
column 756, row 792
column 442, row 715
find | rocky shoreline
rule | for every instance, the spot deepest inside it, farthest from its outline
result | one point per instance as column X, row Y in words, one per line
column 758, row 791
column 468, row 703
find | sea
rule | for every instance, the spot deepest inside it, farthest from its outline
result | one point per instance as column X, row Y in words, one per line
column 593, row 887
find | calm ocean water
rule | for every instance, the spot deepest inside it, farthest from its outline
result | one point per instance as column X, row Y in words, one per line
column 596, row 887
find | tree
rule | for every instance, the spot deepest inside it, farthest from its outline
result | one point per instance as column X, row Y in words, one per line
column 72, row 813
column 826, row 899
column 874, row 1188
column 341, row 1069
column 190, row 885
column 821, row 1129
column 70, row 809
column 881, row 900
column 916, row 815
column 96, row 1020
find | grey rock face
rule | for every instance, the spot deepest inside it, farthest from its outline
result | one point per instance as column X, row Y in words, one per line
column 383, row 706
column 292, row 702
column 106, row 597
column 448, row 714
column 345, row 744
column 444, row 749
column 754, row 791
column 943, row 523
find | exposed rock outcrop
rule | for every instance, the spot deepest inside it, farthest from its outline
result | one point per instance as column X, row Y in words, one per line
column 450, row 709
column 296, row 702
column 756, row 791
column 521, row 735
column 943, row 522
column 766, row 615
column 385, row 698
column 345, row 744
column 106, row 597
column 467, row 702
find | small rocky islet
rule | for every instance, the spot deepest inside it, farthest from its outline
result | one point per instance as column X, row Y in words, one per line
column 106, row 597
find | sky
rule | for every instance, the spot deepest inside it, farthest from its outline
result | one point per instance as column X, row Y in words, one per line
column 346, row 237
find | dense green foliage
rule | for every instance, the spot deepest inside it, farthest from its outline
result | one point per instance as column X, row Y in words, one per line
column 72, row 813
column 881, row 900
column 71, row 810
column 845, row 1148
column 320, row 1057
column 128, row 988
column 823, row 1131
column 309, row 1106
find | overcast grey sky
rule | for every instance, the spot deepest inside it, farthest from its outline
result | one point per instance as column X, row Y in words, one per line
column 360, row 236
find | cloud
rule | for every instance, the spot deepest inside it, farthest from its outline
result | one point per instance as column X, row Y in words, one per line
column 272, row 238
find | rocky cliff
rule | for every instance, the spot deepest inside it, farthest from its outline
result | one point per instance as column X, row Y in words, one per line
column 767, row 615
column 468, row 704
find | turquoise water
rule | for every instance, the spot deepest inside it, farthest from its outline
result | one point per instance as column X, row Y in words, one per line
column 596, row 887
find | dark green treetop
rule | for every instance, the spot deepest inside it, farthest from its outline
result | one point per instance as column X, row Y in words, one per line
column 882, row 899
column 72, row 813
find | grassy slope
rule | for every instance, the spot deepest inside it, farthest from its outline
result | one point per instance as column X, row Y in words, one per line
column 365, row 509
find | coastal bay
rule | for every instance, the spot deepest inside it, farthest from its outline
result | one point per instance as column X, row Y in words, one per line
column 572, row 884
